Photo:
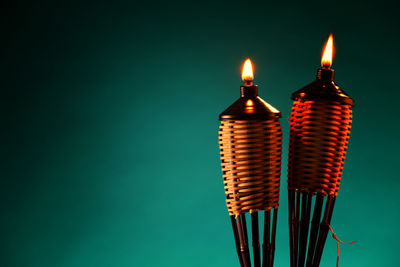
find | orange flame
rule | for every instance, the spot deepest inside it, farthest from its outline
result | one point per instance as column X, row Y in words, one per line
column 247, row 73
column 326, row 61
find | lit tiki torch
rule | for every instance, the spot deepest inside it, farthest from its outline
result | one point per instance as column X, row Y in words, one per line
column 319, row 133
column 250, row 140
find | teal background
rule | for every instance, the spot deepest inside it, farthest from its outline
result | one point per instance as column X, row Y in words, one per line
column 109, row 125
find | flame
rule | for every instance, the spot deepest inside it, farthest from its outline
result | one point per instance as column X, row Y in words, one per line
column 249, row 103
column 247, row 73
column 326, row 61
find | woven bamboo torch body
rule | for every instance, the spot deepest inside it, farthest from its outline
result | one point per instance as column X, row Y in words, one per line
column 250, row 140
column 320, row 126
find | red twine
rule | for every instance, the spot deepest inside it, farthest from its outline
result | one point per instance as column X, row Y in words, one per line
column 337, row 242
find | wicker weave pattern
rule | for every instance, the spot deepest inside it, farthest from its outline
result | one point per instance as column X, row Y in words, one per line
column 319, row 135
column 251, row 164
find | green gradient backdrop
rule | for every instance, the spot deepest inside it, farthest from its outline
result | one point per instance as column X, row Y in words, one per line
column 110, row 155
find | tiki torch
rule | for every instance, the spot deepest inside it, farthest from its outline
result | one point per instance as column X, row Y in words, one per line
column 250, row 141
column 320, row 126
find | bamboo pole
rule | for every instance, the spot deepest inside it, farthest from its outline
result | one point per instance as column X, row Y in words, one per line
column 256, row 239
column 304, row 224
column 324, row 229
column 237, row 242
column 319, row 201
column 273, row 235
column 291, row 198
column 244, row 249
column 296, row 228
column 266, row 243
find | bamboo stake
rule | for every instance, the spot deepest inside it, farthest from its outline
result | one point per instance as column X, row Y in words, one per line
column 266, row 244
column 243, row 217
column 291, row 198
column 319, row 201
column 244, row 251
column 296, row 228
column 272, row 247
column 303, row 211
column 237, row 242
column 324, row 229
column 305, row 221
column 244, row 224
column 256, row 239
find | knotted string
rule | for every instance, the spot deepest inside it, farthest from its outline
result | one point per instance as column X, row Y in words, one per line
column 337, row 243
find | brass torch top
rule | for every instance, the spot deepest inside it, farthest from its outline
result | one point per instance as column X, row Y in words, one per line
column 324, row 88
column 249, row 106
